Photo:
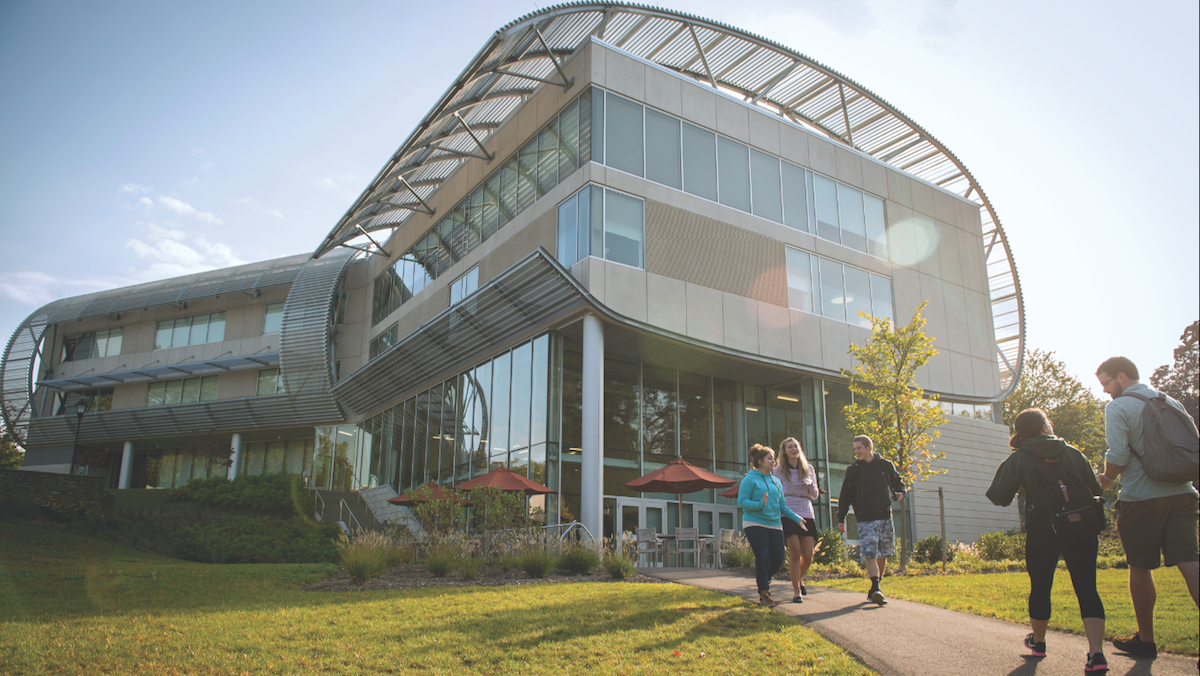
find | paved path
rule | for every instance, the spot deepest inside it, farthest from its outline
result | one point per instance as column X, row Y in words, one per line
column 904, row 638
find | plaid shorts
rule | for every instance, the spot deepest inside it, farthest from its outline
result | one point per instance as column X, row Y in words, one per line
column 876, row 539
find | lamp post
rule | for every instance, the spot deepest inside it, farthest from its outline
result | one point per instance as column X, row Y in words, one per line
column 81, row 407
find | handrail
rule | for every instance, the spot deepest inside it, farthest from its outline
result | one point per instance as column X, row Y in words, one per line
column 320, row 514
column 342, row 503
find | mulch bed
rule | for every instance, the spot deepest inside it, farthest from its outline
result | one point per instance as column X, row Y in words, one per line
column 415, row 576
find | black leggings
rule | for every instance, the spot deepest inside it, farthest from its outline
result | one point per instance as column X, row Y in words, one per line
column 1042, row 550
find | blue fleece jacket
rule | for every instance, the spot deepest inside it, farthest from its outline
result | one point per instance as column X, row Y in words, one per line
column 750, row 500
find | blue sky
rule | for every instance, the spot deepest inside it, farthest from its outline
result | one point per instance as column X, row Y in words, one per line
column 144, row 140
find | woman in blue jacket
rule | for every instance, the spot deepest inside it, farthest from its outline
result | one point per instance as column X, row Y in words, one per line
column 760, row 498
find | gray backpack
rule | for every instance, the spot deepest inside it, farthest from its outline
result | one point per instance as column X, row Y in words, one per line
column 1172, row 444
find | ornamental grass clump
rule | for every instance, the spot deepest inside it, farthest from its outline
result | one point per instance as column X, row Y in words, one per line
column 619, row 556
column 578, row 559
column 738, row 554
column 537, row 563
column 367, row 555
column 441, row 561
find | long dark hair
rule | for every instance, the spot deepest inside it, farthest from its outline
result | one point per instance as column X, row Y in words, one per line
column 757, row 453
column 1029, row 424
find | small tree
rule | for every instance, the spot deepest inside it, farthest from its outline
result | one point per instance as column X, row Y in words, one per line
column 212, row 450
column 901, row 419
column 439, row 517
column 1076, row 413
column 12, row 443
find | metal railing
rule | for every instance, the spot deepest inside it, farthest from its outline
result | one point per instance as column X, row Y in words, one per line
column 320, row 511
column 344, row 509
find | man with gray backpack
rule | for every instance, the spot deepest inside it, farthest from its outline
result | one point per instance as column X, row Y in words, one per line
column 1153, row 446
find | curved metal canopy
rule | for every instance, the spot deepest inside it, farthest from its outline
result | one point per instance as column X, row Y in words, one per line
column 528, row 53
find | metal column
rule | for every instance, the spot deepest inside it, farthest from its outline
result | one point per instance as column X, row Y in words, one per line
column 237, row 457
column 591, row 509
column 126, row 465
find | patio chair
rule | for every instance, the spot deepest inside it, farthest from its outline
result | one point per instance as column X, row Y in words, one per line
column 724, row 542
column 649, row 546
column 687, row 541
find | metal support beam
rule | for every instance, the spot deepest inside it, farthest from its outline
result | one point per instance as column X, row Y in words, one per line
column 428, row 209
column 377, row 244
column 846, row 114
column 703, row 58
column 564, row 85
column 567, row 82
column 988, row 250
column 489, row 156
column 774, row 81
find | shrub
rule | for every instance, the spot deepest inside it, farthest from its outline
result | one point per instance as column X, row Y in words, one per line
column 441, row 561
column 618, row 566
column 537, row 563
column 439, row 516
column 250, row 539
column 505, row 562
column 281, row 494
column 1001, row 546
column 495, row 510
column 830, row 547
column 578, row 560
column 469, row 568
column 367, row 555
column 929, row 550
column 739, row 554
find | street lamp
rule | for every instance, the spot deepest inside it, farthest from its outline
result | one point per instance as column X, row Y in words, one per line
column 81, row 407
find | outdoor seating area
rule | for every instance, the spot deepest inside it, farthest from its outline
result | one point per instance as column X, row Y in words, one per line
column 685, row 548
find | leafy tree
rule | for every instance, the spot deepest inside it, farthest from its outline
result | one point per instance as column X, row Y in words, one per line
column 901, row 419
column 212, row 450
column 1076, row 413
column 11, row 455
column 1181, row 380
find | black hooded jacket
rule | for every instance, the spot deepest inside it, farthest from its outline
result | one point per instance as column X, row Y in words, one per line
column 1019, row 474
column 866, row 488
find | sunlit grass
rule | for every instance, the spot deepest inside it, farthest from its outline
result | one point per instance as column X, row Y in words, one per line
column 1005, row 595
column 73, row 605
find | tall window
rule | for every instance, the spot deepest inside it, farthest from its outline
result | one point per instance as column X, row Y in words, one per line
column 384, row 340
column 98, row 400
column 92, row 344
column 184, row 391
column 273, row 320
column 604, row 223
column 206, row 328
column 666, row 150
column 833, row 289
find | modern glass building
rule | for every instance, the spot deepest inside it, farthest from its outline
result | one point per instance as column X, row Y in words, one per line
column 621, row 235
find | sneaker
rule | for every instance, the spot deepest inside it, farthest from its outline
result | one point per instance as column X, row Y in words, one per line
column 1096, row 662
column 1134, row 645
column 877, row 597
column 803, row 590
column 797, row 599
column 1037, row 648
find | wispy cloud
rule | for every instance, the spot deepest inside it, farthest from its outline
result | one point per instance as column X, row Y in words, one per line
column 134, row 189
column 172, row 251
column 184, row 209
column 342, row 184
column 259, row 209
column 34, row 289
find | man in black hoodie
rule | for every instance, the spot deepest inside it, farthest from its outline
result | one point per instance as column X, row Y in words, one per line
column 866, row 489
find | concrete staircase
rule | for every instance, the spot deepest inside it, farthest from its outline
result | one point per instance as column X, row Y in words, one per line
column 347, row 509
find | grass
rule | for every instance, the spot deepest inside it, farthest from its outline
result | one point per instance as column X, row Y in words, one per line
column 73, row 605
column 1004, row 596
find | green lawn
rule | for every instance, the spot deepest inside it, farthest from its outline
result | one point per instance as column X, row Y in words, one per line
column 1004, row 596
column 75, row 605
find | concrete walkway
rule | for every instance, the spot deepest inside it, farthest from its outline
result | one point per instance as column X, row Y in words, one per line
column 904, row 638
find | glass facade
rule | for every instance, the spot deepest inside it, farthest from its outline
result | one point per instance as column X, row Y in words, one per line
column 206, row 328
column 91, row 345
column 604, row 223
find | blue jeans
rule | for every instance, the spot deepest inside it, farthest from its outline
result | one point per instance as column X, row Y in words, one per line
column 767, row 545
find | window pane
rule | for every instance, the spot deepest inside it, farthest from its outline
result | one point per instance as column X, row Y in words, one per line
column 876, row 226
column 216, row 327
column 522, row 364
column 527, row 175
column 180, row 333
column 547, row 172
column 858, row 295
column 99, row 343
column 795, row 198
column 764, row 174
column 267, row 381
column 799, row 276
column 658, row 416
column 474, row 218
column 733, row 173
column 162, row 338
column 400, row 293
column 695, row 409
column 825, row 195
column 174, row 392
column 854, row 229
column 623, row 149
column 191, row 391
column 276, row 451
column 596, row 124
column 662, row 149
column 273, row 321
column 699, row 162
column 501, row 389
column 568, row 140
column 491, row 207
column 595, row 222
column 538, row 401
column 623, row 236
column 833, row 300
column 568, row 223
column 114, row 343
column 154, row 394
column 208, row 388
column 881, row 297
column 508, row 191
column 199, row 332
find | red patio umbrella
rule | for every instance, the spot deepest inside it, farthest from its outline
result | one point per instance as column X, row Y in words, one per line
column 506, row 480
column 679, row 477
column 436, row 492
column 732, row 492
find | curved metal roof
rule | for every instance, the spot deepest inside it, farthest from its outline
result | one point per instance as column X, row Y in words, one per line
column 528, row 52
